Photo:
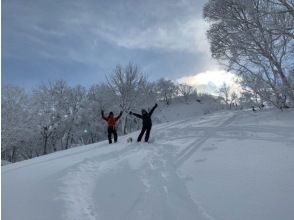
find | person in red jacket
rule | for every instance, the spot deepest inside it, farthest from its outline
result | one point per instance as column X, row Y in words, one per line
column 111, row 122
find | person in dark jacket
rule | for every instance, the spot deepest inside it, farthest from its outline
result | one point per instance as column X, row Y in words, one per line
column 147, row 123
column 111, row 122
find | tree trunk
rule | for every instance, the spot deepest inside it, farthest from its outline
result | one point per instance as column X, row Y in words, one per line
column 124, row 124
column 45, row 140
column 67, row 139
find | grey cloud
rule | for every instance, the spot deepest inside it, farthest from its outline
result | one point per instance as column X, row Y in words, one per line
column 97, row 35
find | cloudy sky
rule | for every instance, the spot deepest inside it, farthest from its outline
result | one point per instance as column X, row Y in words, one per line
column 81, row 41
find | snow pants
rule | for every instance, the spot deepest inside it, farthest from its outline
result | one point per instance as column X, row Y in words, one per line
column 111, row 131
column 146, row 130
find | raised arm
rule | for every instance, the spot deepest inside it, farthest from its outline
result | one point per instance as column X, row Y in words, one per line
column 102, row 115
column 137, row 115
column 118, row 117
column 152, row 110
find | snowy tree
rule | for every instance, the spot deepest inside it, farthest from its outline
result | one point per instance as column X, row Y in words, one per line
column 255, row 39
column 249, row 98
column 15, row 120
column 57, row 109
column 224, row 92
column 126, row 83
column 101, row 97
column 76, row 97
column 186, row 91
column 245, row 99
column 234, row 99
column 166, row 90
column 147, row 94
column 51, row 111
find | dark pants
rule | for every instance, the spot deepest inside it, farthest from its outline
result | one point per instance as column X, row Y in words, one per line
column 112, row 130
column 146, row 129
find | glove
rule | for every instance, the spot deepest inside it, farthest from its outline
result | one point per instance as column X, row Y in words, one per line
column 121, row 112
column 130, row 113
column 102, row 112
column 156, row 105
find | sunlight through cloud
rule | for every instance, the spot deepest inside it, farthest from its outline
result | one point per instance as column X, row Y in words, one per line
column 210, row 81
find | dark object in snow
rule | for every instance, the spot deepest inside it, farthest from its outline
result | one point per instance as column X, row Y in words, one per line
column 130, row 140
column 253, row 109
column 111, row 122
column 261, row 107
column 147, row 123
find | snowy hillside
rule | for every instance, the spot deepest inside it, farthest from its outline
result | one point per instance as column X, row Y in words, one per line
column 180, row 110
column 223, row 166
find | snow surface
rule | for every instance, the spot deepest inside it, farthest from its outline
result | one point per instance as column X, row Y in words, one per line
column 226, row 166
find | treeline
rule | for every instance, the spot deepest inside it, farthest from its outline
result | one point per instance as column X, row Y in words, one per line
column 56, row 116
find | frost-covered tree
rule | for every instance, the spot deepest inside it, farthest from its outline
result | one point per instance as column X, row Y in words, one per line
column 234, row 98
column 166, row 90
column 224, row 92
column 73, row 108
column 15, row 118
column 186, row 91
column 51, row 110
column 249, row 98
column 101, row 97
column 126, row 83
column 57, row 109
column 147, row 94
column 254, row 39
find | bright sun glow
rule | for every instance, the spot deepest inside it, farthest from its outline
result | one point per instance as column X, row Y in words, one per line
column 210, row 81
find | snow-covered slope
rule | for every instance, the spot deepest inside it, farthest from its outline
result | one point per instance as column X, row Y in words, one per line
column 227, row 166
column 180, row 110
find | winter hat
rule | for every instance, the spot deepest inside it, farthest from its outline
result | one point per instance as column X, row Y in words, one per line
column 111, row 113
column 144, row 112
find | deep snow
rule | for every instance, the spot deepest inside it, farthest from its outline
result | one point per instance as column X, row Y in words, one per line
column 226, row 166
